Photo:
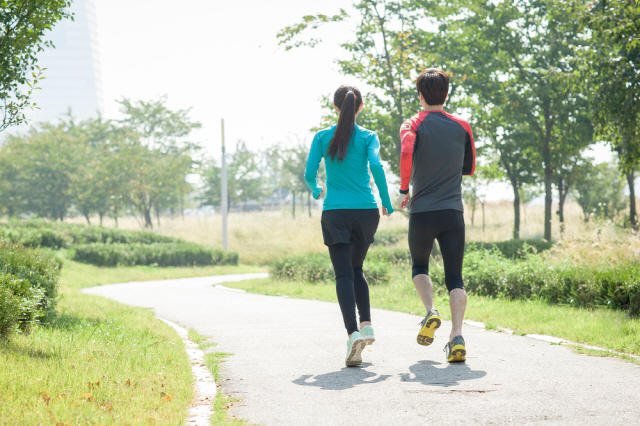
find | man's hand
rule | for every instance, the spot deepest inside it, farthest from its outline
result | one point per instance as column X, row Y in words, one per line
column 403, row 200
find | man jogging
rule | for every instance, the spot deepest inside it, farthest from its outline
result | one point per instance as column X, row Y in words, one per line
column 437, row 149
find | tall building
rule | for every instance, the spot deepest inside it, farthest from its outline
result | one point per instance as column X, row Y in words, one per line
column 73, row 78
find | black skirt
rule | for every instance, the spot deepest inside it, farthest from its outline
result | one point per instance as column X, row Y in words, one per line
column 349, row 226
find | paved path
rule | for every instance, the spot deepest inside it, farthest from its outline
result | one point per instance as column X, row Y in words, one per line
column 288, row 365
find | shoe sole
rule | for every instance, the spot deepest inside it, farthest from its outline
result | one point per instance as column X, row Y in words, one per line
column 458, row 354
column 425, row 336
column 369, row 340
column 355, row 356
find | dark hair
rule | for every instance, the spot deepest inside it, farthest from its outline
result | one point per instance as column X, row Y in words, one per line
column 348, row 100
column 433, row 83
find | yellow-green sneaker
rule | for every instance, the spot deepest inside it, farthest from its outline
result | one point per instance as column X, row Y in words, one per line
column 429, row 325
column 455, row 350
column 367, row 334
column 355, row 345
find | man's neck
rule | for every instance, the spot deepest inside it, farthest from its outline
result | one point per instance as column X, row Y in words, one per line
column 433, row 107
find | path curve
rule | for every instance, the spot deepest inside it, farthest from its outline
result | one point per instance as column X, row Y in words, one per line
column 288, row 365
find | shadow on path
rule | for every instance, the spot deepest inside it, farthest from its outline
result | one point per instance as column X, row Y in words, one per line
column 346, row 378
column 427, row 373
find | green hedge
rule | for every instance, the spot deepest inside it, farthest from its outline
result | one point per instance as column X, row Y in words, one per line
column 316, row 267
column 29, row 287
column 489, row 273
column 19, row 304
column 157, row 254
column 513, row 249
column 55, row 235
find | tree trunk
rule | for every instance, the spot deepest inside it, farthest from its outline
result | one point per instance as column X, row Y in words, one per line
column 147, row 218
column 516, row 209
column 86, row 216
column 548, row 190
column 157, row 216
column 633, row 215
column 483, row 216
column 100, row 215
column 115, row 215
column 293, row 204
column 309, row 200
column 561, row 196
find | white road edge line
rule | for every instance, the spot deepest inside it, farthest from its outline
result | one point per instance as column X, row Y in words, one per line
column 202, row 405
column 551, row 339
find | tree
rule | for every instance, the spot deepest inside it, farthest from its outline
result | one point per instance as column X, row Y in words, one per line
column 599, row 189
column 158, row 161
column 389, row 46
column 512, row 147
column 517, row 53
column 23, row 25
column 42, row 171
column 611, row 67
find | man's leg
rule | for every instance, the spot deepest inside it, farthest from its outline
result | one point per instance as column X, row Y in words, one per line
column 424, row 287
column 452, row 249
column 458, row 304
column 420, row 245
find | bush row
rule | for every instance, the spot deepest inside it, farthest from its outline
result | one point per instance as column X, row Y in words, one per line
column 55, row 235
column 157, row 254
column 513, row 249
column 316, row 267
column 28, row 287
column 489, row 273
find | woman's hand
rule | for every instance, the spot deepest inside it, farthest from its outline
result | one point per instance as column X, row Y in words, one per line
column 321, row 194
column 385, row 212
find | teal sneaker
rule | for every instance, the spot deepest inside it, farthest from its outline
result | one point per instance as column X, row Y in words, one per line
column 429, row 325
column 455, row 350
column 355, row 345
column 367, row 334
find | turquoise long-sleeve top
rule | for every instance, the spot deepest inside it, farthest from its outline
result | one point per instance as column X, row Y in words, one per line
column 348, row 180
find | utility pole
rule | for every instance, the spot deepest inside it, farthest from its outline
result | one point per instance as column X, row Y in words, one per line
column 224, row 197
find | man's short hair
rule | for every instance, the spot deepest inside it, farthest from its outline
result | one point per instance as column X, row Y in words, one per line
column 433, row 83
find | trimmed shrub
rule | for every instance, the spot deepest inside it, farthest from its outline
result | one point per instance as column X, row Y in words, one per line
column 513, row 249
column 157, row 254
column 55, row 235
column 19, row 304
column 316, row 267
column 489, row 273
column 388, row 237
column 38, row 270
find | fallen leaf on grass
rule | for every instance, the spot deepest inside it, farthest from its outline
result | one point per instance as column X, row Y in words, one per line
column 86, row 396
column 46, row 398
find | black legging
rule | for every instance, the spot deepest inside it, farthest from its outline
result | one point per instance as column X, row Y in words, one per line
column 447, row 226
column 351, row 285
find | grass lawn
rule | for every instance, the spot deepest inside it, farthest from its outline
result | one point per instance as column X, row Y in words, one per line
column 599, row 327
column 101, row 362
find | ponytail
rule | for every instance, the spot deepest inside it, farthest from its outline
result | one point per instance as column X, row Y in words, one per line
column 348, row 100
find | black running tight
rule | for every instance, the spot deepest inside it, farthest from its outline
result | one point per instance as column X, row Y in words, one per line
column 351, row 286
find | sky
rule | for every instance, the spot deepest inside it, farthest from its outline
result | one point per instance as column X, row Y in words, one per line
column 222, row 59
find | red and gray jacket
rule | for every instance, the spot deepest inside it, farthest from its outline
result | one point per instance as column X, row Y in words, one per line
column 437, row 149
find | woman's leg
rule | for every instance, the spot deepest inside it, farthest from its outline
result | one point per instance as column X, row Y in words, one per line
column 341, row 259
column 360, row 285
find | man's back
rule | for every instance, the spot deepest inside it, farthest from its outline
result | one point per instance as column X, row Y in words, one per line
column 442, row 151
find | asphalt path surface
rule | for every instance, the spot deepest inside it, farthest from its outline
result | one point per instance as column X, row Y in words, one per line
column 288, row 365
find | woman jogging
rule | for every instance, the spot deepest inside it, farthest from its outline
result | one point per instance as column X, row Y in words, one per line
column 350, row 213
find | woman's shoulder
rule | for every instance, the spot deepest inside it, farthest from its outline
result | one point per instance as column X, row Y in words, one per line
column 366, row 134
column 328, row 132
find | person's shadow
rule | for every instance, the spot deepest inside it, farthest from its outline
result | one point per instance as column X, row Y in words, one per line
column 426, row 373
column 345, row 378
